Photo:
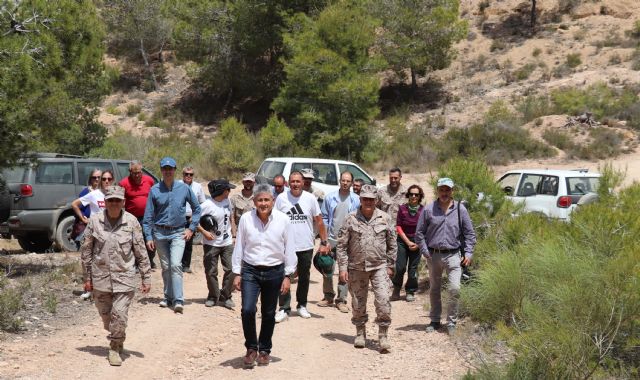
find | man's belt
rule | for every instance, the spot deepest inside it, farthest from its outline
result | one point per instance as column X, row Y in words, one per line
column 444, row 251
column 167, row 228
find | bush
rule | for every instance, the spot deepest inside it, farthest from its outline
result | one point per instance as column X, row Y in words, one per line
column 533, row 107
column 10, row 303
column 559, row 139
column 604, row 143
column 573, row 60
column 133, row 109
column 234, row 149
column 536, row 52
column 524, row 72
column 564, row 296
column 113, row 110
column 276, row 138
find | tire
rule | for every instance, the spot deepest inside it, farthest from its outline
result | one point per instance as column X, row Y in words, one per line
column 63, row 240
column 34, row 243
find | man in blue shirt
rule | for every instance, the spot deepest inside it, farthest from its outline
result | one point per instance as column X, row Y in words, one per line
column 336, row 206
column 165, row 230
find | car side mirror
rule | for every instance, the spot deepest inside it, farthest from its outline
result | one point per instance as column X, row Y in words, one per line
column 508, row 190
column 373, row 182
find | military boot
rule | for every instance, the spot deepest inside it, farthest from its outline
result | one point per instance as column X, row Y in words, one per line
column 385, row 346
column 395, row 296
column 361, row 337
column 114, row 355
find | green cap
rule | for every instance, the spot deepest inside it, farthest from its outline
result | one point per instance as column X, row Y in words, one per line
column 324, row 264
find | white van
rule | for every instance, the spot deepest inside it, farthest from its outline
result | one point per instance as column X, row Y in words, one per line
column 326, row 172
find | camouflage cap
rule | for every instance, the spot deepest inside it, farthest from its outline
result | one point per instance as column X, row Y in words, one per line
column 369, row 191
column 249, row 176
column 114, row 192
column 307, row 173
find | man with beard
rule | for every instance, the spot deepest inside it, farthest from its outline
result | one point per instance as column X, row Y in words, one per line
column 242, row 202
column 390, row 197
column 357, row 185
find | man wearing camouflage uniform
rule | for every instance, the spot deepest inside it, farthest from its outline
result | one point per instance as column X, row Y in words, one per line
column 242, row 202
column 112, row 248
column 367, row 253
column 390, row 197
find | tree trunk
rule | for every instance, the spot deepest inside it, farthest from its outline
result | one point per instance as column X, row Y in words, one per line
column 146, row 64
column 414, row 83
column 533, row 15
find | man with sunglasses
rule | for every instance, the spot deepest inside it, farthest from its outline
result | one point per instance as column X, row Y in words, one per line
column 165, row 230
column 218, row 243
column 112, row 249
column 187, row 179
column 136, row 191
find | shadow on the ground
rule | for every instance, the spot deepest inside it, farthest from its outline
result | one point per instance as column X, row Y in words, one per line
column 104, row 350
column 237, row 363
column 371, row 344
column 413, row 327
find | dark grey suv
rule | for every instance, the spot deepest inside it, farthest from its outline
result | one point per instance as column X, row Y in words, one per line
column 36, row 210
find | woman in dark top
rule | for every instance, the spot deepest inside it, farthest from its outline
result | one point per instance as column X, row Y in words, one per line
column 408, row 253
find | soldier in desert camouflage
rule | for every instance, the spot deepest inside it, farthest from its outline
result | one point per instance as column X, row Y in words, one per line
column 366, row 254
column 112, row 248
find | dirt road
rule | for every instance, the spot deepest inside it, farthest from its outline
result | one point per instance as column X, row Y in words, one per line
column 208, row 343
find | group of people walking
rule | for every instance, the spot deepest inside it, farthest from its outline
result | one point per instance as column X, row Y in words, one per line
column 373, row 236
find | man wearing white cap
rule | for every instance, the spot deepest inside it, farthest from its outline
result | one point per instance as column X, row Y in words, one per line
column 438, row 236
column 242, row 202
column 307, row 178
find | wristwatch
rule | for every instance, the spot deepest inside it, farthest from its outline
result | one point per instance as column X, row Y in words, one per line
column 288, row 276
column 324, row 243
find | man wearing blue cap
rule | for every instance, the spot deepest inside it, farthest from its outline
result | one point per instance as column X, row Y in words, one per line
column 438, row 236
column 165, row 230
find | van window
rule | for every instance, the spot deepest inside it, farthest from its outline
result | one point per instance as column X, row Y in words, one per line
column 55, row 172
column 86, row 167
column 529, row 185
column 323, row 173
column 582, row 185
column 270, row 169
column 357, row 173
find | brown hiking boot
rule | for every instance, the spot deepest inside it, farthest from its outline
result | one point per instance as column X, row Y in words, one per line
column 342, row 307
column 325, row 303
column 114, row 355
column 263, row 358
column 395, row 296
column 385, row 346
column 361, row 337
column 249, row 360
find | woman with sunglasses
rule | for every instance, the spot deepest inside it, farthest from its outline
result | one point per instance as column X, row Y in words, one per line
column 93, row 183
column 95, row 198
column 408, row 256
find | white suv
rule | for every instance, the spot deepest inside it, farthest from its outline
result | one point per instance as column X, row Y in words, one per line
column 326, row 172
column 554, row 193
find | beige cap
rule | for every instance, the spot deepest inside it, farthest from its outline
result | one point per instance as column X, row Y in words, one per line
column 114, row 192
column 369, row 191
column 249, row 176
column 307, row 173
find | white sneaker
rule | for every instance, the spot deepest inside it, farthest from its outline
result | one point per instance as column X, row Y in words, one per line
column 86, row 295
column 281, row 316
column 303, row 312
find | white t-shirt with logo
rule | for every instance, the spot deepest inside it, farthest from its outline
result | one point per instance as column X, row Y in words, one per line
column 95, row 200
column 301, row 211
column 221, row 213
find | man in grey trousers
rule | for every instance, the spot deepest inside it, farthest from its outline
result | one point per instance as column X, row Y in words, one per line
column 438, row 236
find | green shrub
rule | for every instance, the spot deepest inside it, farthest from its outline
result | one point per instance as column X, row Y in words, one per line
column 536, row 52
column 497, row 45
column 599, row 99
column 559, row 139
column 524, row 72
column 50, row 302
column 533, row 107
column 604, row 143
column 133, row 109
column 234, row 149
column 635, row 31
column 573, row 60
column 10, row 303
column 142, row 116
column 615, row 59
column 113, row 110
column 277, row 138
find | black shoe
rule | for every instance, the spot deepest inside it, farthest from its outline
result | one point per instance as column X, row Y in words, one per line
column 433, row 326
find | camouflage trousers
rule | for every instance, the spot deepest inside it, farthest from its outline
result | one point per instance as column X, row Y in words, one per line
column 113, row 309
column 359, row 289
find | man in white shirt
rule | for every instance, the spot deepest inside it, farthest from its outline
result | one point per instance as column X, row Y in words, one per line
column 304, row 212
column 263, row 260
column 187, row 178
column 217, row 242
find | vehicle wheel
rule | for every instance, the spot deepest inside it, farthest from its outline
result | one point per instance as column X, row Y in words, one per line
column 34, row 243
column 63, row 240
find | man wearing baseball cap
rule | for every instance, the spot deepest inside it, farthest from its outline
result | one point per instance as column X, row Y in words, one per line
column 307, row 178
column 366, row 253
column 242, row 202
column 165, row 229
column 111, row 249
column 218, row 243
column 438, row 236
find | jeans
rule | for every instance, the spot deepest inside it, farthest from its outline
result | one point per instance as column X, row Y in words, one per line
column 406, row 258
column 188, row 247
column 170, row 246
column 210, row 260
column 302, row 290
column 438, row 263
column 266, row 282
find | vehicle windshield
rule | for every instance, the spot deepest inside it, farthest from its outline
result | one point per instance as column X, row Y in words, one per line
column 582, row 185
column 270, row 169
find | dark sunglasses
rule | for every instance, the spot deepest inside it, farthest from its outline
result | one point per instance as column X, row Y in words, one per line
column 105, row 179
column 187, row 174
column 114, row 200
column 414, row 194
column 95, row 177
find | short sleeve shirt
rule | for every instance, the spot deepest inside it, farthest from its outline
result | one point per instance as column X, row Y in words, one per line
column 136, row 195
column 301, row 211
column 241, row 205
column 95, row 200
column 221, row 213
